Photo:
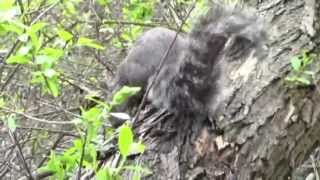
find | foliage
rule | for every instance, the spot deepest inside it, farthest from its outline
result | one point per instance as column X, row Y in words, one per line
column 65, row 164
column 138, row 11
column 123, row 94
column 302, row 70
column 42, row 54
column 53, row 56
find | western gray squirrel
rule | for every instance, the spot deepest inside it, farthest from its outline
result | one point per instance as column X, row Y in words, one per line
column 189, row 81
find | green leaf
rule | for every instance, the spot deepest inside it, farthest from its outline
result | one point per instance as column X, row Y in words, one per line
column 36, row 27
column 2, row 102
column 6, row 4
column 296, row 63
column 36, row 39
column 82, row 41
column 303, row 80
column 103, row 174
column 53, row 86
column 52, row 52
column 311, row 73
column 69, row 161
column 69, row 6
column 55, row 165
column 123, row 94
column 23, row 38
column 65, row 35
column 7, row 10
column 91, row 155
column 138, row 168
column 103, row 2
column 139, row 10
column 24, row 50
column 93, row 114
column 12, row 122
column 3, row 31
column 77, row 144
column 125, row 140
column 49, row 73
column 14, row 26
column 291, row 79
column 51, row 81
column 18, row 59
column 306, row 58
column 37, row 77
column 46, row 61
column 137, row 148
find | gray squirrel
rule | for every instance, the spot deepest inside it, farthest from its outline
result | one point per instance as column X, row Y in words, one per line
column 189, row 81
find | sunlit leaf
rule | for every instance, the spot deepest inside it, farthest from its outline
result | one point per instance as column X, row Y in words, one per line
column 24, row 50
column 23, row 38
column 303, row 80
column 52, row 52
column 69, row 6
column 2, row 102
column 82, row 41
column 37, row 27
column 50, row 73
column 46, row 61
column 92, row 114
column 53, row 85
column 14, row 26
column 311, row 73
column 65, row 35
column 123, row 94
column 125, row 140
column 296, row 63
column 103, row 2
column 12, row 122
column 137, row 148
column 18, row 59
column 103, row 174
column 6, row 4
column 8, row 10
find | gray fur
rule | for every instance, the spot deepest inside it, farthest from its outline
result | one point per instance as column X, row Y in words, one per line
column 189, row 80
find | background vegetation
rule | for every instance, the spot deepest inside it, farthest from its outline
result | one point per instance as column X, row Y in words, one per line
column 56, row 58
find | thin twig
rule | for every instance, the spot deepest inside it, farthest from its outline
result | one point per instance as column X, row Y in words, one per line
column 37, row 119
column 130, row 23
column 10, row 77
column 58, row 108
column 82, row 155
column 102, row 62
column 55, row 112
column 15, row 141
column 12, row 146
column 121, row 22
column 65, row 133
column 44, row 12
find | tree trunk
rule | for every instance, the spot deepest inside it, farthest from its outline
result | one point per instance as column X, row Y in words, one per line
column 268, row 128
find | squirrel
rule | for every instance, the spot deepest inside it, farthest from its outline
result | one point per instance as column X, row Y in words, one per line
column 190, row 79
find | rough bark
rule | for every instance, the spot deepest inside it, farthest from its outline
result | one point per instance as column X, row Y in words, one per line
column 268, row 128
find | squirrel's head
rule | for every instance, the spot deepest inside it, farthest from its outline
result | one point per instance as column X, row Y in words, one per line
column 244, row 30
